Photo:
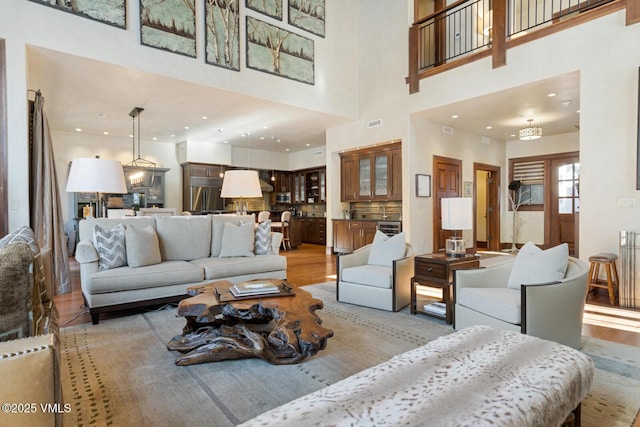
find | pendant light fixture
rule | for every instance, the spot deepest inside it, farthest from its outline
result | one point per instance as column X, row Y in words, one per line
column 140, row 178
column 531, row 132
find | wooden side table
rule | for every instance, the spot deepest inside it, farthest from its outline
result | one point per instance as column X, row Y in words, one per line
column 436, row 271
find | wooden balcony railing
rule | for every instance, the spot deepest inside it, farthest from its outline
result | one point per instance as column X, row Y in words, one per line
column 468, row 30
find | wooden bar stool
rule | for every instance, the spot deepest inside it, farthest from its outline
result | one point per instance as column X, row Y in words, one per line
column 612, row 282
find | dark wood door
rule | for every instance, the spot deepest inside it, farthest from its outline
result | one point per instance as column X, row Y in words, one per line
column 447, row 177
column 487, row 206
column 565, row 203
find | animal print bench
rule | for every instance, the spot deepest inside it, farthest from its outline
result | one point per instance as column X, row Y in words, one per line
column 476, row 376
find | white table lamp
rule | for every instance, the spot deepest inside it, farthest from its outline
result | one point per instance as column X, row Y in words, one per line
column 95, row 175
column 457, row 214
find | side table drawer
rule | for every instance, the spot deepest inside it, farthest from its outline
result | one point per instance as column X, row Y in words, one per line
column 431, row 270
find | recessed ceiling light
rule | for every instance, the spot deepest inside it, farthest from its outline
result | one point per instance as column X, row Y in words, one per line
column 286, row 149
column 308, row 145
column 173, row 135
column 130, row 136
column 455, row 116
column 204, row 117
column 489, row 127
column 551, row 95
column 226, row 142
column 265, row 127
column 105, row 133
column 78, row 130
column 154, row 138
column 186, row 127
column 262, row 137
column 578, row 111
column 513, row 135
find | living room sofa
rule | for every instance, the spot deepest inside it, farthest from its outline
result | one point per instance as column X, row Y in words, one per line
column 186, row 251
column 29, row 343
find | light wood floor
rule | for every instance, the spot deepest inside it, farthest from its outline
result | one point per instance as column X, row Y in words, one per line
column 310, row 264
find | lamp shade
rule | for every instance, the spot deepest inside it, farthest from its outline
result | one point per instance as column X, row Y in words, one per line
column 457, row 213
column 93, row 175
column 241, row 183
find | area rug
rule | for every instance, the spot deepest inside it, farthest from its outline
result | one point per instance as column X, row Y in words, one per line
column 120, row 373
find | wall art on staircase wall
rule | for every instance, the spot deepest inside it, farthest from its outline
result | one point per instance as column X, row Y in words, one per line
column 277, row 51
column 271, row 8
column 308, row 15
column 112, row 12
column 169, row 25
column 222, row 26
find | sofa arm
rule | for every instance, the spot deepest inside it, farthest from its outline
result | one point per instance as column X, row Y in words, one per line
column 403, row 272
column 86, row 252
column 29, row 369
column 554, row 311
column 358, row 257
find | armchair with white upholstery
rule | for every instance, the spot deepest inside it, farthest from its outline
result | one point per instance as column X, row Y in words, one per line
column 548, row 309
column 363, row 281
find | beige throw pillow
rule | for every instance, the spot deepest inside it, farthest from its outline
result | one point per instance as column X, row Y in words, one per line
column 237, row 240
column 143, row 247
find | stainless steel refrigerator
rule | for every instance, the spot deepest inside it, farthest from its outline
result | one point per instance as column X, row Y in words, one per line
column 205, row 195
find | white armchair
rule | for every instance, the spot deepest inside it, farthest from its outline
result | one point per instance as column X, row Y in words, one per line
column 386, row 288
column 551, row 311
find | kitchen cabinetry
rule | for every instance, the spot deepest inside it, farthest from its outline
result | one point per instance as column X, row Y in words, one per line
column 349, row 235
column 313, row 230
column 309, row 186
column 372, row 174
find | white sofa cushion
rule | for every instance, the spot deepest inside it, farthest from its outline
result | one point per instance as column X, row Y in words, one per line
column 219, row 268
column 371, row 275
column 183, row 237
column 501, row 303
column 143, row 247
column 217, row 229
column 127, row 279
column 535, row 266
column 385, row 249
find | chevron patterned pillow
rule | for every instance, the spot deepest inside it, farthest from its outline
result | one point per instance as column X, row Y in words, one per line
column 263, row 238
column 111, row 247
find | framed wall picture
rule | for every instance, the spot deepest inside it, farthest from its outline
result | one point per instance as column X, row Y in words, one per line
column 169, row 25
column 468, row 189
column 423, row 185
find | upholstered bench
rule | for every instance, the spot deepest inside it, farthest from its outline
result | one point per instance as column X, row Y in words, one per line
column 476, row 376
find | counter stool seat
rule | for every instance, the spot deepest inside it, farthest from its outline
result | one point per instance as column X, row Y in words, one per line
column 612, row 283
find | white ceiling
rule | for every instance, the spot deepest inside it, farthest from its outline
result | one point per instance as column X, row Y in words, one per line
column 97, row 97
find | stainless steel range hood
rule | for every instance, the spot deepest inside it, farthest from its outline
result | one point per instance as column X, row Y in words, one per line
column 265, row 186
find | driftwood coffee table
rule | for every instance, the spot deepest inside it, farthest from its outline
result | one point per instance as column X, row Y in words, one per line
column 281, row 330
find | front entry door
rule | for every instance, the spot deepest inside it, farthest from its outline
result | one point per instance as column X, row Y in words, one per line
column 487, row 207
column 565, row 203
column 447, row 177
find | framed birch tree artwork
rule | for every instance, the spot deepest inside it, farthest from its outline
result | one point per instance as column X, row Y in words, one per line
column 308, row 15
column 271, row 8
column 277, row 51
column 222, row 23
column 112, row 12
column 169, row 25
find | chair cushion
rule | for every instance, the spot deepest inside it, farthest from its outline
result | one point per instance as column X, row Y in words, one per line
column 372, row 275
column 501, row 303
column 142, row 246
column 535, row 266
column 385, row 249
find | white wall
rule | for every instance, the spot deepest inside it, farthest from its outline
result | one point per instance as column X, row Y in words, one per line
column 605, row 53
column 24, row 23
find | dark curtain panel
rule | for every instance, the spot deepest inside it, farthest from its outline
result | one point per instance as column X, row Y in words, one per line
column 46, row 212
